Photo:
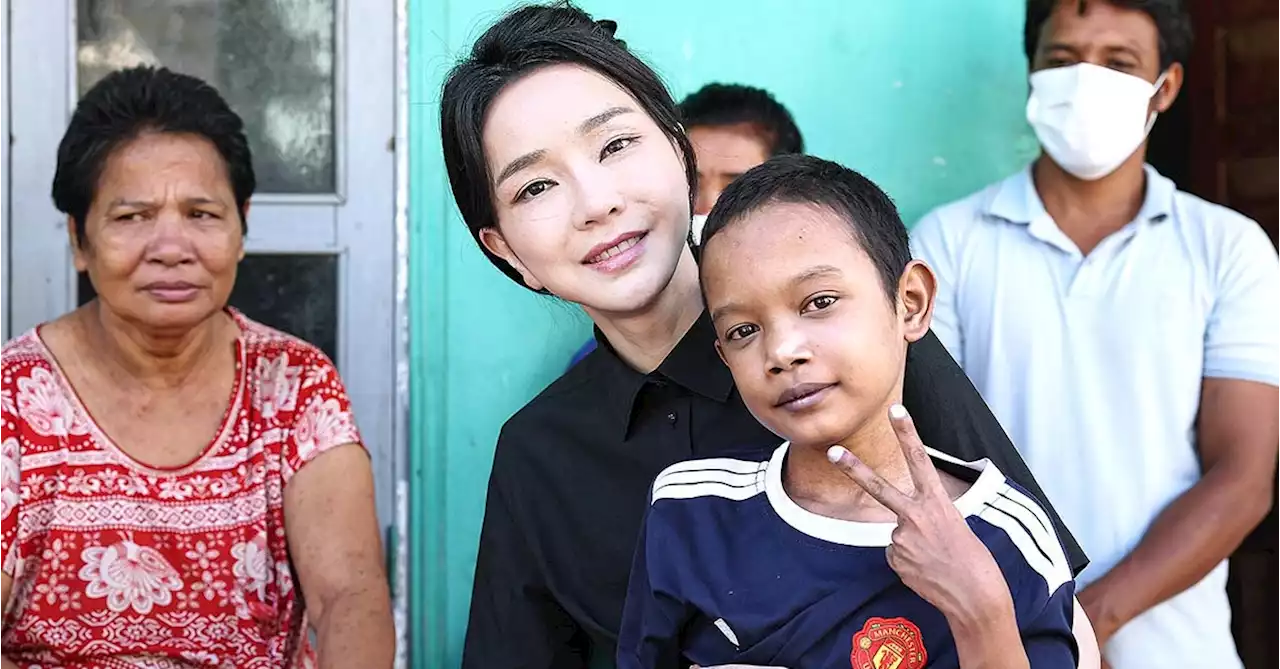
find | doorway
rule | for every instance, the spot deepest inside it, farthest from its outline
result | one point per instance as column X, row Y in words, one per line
column 1219, row 141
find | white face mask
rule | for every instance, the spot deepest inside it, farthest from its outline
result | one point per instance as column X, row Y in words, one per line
column 699, row 221
column 1089, row 118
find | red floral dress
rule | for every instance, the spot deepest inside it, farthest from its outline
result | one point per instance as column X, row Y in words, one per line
column 117, row 564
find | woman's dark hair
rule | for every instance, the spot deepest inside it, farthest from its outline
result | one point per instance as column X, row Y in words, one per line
column 1173, row 25
column 522, row 41
column 127, row 103
column 872, row 218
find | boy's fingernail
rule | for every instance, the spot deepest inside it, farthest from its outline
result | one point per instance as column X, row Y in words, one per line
column 897, row 412
column 835, row 453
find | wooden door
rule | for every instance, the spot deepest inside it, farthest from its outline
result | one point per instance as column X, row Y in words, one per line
column 1232, row 91
column 1231, row 97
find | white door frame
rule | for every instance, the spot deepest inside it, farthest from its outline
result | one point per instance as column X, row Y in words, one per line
column 4, row 170
column 357, row 223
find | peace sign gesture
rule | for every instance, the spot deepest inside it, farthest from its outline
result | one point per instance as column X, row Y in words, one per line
column 932, row 549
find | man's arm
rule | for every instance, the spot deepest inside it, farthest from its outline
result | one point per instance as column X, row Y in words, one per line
column 1237, row 430
column 1236, row 438
column 332, row 530
column 514, row 620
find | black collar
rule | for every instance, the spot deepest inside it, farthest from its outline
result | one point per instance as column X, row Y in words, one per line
column 693, row 364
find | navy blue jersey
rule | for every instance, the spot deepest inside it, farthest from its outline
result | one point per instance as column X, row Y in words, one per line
column 730, row 570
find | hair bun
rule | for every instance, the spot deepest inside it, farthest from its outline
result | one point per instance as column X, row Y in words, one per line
column 610, row 26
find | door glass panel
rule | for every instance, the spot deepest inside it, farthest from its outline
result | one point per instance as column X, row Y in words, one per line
column 297, row 293
column 273, row 61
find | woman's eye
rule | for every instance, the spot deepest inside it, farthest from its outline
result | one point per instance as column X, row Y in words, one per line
column 534, row 190
column 820, row 302
column 740, row 332
column 617, row 145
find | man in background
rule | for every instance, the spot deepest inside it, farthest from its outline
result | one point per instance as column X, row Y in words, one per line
column 1124, row 333
column 733, row 128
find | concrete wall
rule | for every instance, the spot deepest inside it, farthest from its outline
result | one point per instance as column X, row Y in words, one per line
column 924, row 96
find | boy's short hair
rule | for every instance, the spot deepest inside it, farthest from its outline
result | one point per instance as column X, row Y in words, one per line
column 731, row 104
column 798, row 179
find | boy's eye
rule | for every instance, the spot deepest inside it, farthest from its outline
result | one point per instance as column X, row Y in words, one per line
column 740, row 332
column 819, row 303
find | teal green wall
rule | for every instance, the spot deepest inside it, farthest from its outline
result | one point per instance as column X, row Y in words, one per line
column 924, row 96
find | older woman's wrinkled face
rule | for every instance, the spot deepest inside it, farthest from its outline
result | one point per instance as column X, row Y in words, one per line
column 163, row 235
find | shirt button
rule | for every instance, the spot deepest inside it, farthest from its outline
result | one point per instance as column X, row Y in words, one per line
column 671, row 418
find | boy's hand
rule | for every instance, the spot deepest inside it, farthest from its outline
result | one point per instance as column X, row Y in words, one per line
column 932, row 550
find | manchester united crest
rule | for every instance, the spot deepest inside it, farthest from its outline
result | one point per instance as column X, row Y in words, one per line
column 888, row 643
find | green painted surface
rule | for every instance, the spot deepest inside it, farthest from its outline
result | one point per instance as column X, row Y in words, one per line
column 924, row 96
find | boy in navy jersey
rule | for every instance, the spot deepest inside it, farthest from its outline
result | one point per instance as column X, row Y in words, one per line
column 852, row 544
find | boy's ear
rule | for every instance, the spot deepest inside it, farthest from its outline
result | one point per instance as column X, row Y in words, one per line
column 720, row 352
column 916, row 290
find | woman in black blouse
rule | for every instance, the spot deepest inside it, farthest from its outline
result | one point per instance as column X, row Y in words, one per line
column 573, row 174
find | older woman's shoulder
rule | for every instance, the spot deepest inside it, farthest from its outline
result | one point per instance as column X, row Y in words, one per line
column 25, row 350
column 265, row 342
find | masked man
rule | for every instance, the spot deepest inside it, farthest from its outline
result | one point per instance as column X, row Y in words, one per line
column 1124, row 333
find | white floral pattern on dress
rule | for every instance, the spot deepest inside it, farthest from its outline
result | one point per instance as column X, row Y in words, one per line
column 129, row 575
column 10, row 477
column 252, row 567
column 276, row 385
column 322, row 426
column 6, row 402
column 46, row 408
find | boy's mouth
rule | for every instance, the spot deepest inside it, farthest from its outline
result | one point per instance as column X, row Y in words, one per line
column 802, row 396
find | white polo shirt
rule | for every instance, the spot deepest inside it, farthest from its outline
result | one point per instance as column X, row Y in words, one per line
column 1094, row 366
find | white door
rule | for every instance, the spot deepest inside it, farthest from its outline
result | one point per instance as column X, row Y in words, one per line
column 4, row 169
column 315, row 84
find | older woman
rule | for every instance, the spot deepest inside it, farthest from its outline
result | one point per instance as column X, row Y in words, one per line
column 182, row 486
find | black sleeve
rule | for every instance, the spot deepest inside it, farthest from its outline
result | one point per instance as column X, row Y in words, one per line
column 951, row 416
column 514, row 620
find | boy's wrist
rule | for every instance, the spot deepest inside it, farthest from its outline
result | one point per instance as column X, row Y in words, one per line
column 980, row 612
column 986, row 634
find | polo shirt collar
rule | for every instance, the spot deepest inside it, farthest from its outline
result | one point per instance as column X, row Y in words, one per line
column 1017, row 201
